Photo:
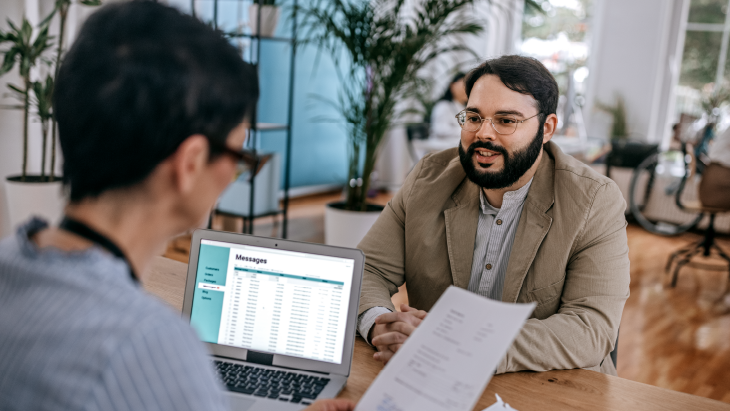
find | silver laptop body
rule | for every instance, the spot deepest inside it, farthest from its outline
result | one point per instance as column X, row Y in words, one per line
column 278, row 308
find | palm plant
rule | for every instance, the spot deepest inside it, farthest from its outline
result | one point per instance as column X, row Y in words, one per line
column 26, row 52
column 387, row 44
column 619, row 128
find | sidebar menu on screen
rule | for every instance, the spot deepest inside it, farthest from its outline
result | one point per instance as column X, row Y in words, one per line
column 209, row 293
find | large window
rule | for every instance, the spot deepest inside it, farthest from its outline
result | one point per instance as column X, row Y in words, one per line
column 704, row 60
column 556, row 32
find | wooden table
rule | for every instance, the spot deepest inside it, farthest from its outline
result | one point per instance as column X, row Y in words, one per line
column 553, row 390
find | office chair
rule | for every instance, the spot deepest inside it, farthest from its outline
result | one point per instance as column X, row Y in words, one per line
column 683, row 256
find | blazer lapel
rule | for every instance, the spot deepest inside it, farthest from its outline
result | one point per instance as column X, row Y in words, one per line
column 532, row 228
column 461, row 229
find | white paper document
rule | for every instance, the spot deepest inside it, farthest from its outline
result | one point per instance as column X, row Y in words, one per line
column 449, row 359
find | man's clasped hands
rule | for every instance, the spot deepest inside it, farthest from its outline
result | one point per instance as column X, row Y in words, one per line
column 392, row 329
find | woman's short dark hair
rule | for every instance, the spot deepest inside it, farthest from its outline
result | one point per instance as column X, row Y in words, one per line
column 524, row 75
column 140, row 79
column 448, row 95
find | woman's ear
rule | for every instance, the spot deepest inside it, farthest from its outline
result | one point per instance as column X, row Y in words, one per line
column 189, row 161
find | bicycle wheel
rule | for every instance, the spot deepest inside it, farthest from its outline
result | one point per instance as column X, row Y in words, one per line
column 653, row 191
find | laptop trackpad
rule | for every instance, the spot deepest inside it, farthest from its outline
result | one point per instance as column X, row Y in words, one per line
column 239, row 403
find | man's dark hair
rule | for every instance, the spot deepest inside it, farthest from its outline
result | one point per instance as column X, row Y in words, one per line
column 524, row 75
column 141, row 78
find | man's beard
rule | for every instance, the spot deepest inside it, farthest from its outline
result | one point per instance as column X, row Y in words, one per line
column 515, row 165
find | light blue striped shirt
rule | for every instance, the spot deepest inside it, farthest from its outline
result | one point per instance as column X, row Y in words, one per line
column 493, row 243
column 492, row 247
column 76, row 333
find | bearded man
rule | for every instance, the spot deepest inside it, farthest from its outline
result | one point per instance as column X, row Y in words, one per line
column 510, row 217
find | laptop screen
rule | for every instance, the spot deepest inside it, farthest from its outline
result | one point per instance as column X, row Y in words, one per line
column 271, row 300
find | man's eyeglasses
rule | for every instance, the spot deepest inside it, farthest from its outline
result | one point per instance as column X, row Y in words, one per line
column 502, row 124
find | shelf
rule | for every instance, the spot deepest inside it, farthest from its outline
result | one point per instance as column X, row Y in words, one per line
column 270, row 127
column 251, row 52
column 246, row 216
column 253, row 36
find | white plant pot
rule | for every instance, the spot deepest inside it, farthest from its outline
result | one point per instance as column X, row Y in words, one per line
column 42, row 199
column 346, row 228
column 269, row 19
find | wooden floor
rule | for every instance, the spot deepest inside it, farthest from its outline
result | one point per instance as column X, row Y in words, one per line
column 673, row 338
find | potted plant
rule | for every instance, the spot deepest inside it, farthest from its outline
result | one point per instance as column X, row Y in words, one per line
column 387, row 43
column 35, row 194
column 27, row 193
column 619, row 129
column 624, row 152
column 268, row 18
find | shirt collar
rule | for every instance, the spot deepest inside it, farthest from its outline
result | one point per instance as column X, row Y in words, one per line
column 93, row 257
column 511, row 199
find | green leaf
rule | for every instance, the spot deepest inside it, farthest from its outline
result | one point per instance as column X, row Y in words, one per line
column 16, row 89
column 91, row 2
column 8, row 60
column 534, row 7
column 42, row 99
column 12, row 26
column 46, row 21
column 26, row 31
column 41, row 44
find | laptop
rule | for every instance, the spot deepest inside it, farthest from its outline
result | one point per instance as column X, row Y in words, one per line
column 278, row 316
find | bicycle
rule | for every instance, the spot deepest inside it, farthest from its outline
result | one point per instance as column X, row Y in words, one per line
column 657, row 189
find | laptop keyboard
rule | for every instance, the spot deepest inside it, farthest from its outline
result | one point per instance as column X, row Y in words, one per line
column 274, row 384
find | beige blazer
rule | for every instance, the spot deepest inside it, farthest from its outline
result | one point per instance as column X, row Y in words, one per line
column 570, row 256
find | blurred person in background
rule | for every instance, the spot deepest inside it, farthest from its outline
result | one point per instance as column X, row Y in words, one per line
column 151, row 107
column 443, row 126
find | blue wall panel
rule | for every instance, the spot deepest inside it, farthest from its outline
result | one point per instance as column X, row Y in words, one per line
column 319, row 148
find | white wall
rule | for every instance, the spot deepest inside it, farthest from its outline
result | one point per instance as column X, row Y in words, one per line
column 636, row 51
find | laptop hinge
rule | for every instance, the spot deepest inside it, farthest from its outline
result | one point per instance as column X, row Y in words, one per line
column 260, row 358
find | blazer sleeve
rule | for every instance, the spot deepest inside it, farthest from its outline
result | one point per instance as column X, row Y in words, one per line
column 584, row 330
column 384, row 248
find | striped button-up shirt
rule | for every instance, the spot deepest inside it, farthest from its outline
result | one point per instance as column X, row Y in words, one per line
column 492, row 247
column 493, row 243
column 76, row 333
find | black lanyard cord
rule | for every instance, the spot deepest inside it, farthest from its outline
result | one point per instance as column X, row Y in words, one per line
column 83, row 230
